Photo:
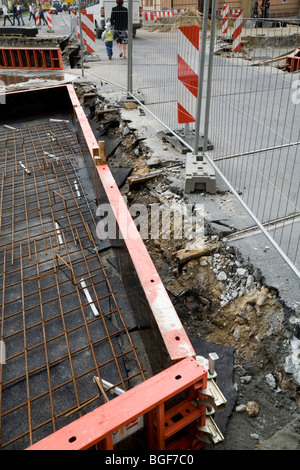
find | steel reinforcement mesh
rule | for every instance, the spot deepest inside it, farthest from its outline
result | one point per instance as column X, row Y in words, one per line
column 64, row 335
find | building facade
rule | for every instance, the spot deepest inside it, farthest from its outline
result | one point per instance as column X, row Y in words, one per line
column 278, row 8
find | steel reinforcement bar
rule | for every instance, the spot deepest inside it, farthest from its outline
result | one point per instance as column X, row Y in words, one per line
column 52, row 276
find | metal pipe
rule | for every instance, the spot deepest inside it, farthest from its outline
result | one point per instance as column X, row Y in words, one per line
column 201, row 76
column 209, row 73
column 130, row 36
column 252, row 152
column 81, row 38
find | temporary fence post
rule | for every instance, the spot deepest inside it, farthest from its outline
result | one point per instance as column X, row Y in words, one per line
column 201, row 75
column 130, row 36
column 81, row 37
column 209, row 73
column 186, row 129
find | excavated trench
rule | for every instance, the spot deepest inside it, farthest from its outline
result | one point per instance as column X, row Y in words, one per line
column 70, row 51
column 220, row 297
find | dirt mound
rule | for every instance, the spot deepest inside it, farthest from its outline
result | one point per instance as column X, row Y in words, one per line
column 185, row 18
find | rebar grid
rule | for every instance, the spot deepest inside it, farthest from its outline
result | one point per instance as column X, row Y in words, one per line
column 60, row 320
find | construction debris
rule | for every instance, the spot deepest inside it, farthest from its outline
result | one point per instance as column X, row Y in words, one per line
column 184, row 256
column 279, row 58
column 219, row 296
column 133, row 180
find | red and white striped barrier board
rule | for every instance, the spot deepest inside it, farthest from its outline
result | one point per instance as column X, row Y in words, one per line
column 187, row 71
column 237, row 32
column 88, row 33
column 37, row 18
column 154, row 15
column 231, row 12
column 49, row 19
column 225, row 15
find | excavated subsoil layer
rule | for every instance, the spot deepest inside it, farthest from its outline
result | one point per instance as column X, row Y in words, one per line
column 219, row 296
column 46, row 42
column 16, row 41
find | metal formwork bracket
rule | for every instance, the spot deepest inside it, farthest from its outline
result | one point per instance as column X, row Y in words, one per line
column 212, row 434
column 99, row 153
column 209, row 364
column 214, row 396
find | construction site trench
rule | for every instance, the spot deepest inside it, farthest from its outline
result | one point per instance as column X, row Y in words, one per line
column 224, row 297
column 221, row 297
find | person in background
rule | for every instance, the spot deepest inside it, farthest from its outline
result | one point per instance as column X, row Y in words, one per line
column 254, row 10
column 31, row 11
column 108, row 38
column 42, row 17
column 5, row 15
column 119, row 21
column 19, row 11
column 15, row 15
column 265, row 6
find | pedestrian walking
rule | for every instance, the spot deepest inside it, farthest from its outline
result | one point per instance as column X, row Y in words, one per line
column 15, row 15
column 19, row 11
column 254, row 10
column 265, row 6
column 42, row 17
column 6, row 15
column 108, row 39
column 31, row 12
column 119, row 21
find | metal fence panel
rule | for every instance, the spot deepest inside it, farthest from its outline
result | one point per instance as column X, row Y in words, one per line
column 255, row 117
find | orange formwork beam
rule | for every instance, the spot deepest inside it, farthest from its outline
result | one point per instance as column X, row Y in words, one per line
column 171, row 329
column 148, row 398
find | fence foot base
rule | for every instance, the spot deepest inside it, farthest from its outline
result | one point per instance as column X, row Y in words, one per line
column 199, row 175
column 129, row 99
column 190, row 140
column 169, row 137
